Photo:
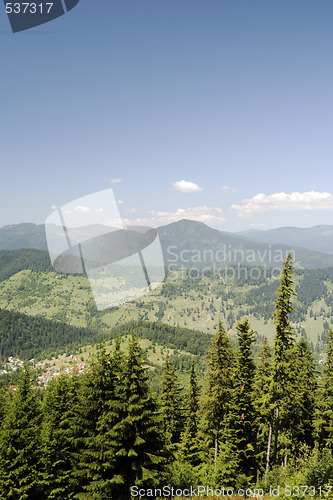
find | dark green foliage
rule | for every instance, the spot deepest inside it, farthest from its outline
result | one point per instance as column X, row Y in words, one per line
column 171, row 405
column 239, row 437
column 192, row 406
column 9, row 379
column 14, row 261
column 319, row 468
column 312, row 285
column 168, row 336
column 262, row 402
column 282, row 389
column 302, row 416
column 218, row 390
column 97, row 412
column 284, row 333
column 189, row 446
column 139, row 446
column 116, row 428
column 28, row 336
column 324, row 413
column 58, row 445
column 20, row 445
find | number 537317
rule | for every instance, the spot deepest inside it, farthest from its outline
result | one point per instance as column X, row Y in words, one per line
column 28, row 8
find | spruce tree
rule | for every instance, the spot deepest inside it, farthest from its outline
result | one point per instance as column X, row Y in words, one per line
column 282, row 381
column 218, row 389
column 262, row 400
column 122, row 446
column 189, row 449
column 58, row 446
column 98, row 410
column 20, row 445
column 301, row 425
column 171, row 405
column 324, row 413
column 192, row 406
column 239, row 440
column 139, row 443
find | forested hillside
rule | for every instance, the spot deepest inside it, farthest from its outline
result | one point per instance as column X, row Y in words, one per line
column 13, row 261
column 26, row 336
column 255, row 424
column 185, row 300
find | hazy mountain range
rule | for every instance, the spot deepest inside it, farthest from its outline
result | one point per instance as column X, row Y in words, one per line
column 319, row 238
column 194, row 244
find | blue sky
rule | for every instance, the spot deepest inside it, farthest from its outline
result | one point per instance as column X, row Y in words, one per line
column 217, row 110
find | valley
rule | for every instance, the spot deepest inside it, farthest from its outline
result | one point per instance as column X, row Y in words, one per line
column 180, row 301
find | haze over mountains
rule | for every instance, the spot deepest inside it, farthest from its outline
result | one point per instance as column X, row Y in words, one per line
column 319, row 238
column 193, row 244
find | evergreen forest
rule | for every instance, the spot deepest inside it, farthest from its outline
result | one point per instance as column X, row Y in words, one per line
column 259, row 424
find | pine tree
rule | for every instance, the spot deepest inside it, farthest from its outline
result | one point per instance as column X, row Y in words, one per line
column 3, row 403
column 239, row 440
column 171, row 405
column 139, row 453
column 189, row 447
column 57, row 452
column 324, row 413
column 98, row 410
column 193, row 403
column 262, row 384
column 303, row 414
column 218, row 390
column 123, row 446
column 282, row 382
column 20, row 445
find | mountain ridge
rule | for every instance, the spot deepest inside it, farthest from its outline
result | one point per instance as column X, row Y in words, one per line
column 318, row 238
column 187, row 243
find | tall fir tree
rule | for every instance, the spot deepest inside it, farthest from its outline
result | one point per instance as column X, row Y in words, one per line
column 219, row 381
column 20, row 445
column 238, row 455
column 324, row 411
column 171, row 406
column 98, row 411
column 189, row 447
column 262, row 399
column 301, row 424
column 58, row 446
column 139, row 452
column 282, row 387
column 124, row 446
column 192, row 403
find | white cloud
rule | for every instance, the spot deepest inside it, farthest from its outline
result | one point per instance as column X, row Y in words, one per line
column 54, row 207
column 116, row 181
column 132, row 210
column 228, row 189
column 208, row 215
column 99, row 210
column 81, row 209
column 115, row 222
column 120, row 202
column 186, row 187
column 260, row 203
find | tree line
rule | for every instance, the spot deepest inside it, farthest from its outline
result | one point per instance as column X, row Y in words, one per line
column 96, row 435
